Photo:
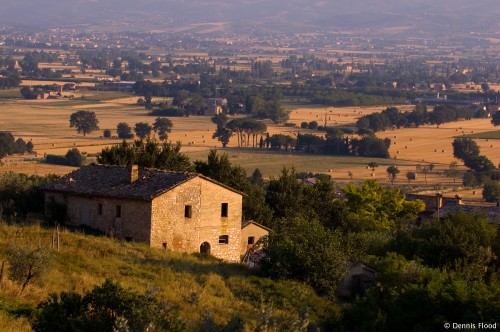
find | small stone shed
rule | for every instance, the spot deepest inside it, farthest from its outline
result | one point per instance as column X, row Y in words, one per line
column 185, row 212
column 251, row 232
column 360, row 277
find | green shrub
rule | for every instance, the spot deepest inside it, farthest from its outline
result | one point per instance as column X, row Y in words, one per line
column 72, row 158
column 75, row 158
column 56, row 160
column 168, row 112
column 108, row 307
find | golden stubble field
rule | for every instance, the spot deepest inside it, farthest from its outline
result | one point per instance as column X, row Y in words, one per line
column 46, row 123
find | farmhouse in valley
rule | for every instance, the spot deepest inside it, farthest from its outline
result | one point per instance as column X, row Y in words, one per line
column 185, row 212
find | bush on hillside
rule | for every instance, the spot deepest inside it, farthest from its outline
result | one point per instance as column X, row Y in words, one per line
column 108, row 307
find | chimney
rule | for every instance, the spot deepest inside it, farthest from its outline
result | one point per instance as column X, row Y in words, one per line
column 439, row 197
column 134, row 172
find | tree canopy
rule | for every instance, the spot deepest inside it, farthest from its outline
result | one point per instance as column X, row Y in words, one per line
column 9, row 145
column 491, row 191
column 392, row 172
column 306, row 251
column 371, row 206
column 124, row 131
column 6, row 143
column 222, row 132
column 84, row 121
column 495, row 118
column 27, row 265
column 162, row 126
column 467, row 150
column 147, row 153
column 464, row 148
column 142, row 130
column 21, row 193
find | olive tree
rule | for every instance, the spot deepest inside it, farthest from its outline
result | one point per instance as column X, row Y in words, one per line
column 26, row 265
column 124, row 131
column 392, row 173
column 162, row 126
column 142, row 129
column 84, row 121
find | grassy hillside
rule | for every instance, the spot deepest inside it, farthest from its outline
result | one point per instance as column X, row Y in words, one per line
column 200, row 287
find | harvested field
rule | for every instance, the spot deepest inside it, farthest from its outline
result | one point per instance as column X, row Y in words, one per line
column 45, row 82
column 46, row 123
column 429, row 144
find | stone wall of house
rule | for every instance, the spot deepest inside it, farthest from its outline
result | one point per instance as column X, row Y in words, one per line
column 171, row 227
column 251, row 230
column 132, row 224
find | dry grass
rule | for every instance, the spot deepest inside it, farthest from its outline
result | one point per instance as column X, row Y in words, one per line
column 12, row 324
column 47, row 124
column 197, row 286
column 47, row 82
column 430, row 144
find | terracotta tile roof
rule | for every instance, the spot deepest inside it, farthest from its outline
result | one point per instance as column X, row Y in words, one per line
column 431, row 201
column 250, row 222
column 114, row 181
column 492, row 212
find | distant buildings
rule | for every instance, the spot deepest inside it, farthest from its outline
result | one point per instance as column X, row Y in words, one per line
column 215, row 106
column 439, row 207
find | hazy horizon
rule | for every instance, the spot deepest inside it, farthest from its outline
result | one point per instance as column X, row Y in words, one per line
column 452, row 15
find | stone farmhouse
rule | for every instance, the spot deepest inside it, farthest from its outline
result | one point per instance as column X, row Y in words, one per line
column 185, row 212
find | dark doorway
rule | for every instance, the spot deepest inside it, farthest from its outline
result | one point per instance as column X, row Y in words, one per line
column 205, row 248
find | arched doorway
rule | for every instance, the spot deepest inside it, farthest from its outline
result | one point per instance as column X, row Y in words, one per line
column 205, row 248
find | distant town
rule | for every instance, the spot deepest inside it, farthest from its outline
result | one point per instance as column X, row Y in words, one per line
column 225, row 176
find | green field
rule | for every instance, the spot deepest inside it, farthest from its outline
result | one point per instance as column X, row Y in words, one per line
column 10, row 94
column 270, row 163
column 105, row 95
column 484, row 135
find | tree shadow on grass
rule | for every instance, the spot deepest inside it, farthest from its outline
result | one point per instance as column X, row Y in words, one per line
column 197, row 264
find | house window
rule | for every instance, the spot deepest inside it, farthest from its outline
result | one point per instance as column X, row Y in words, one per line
column 251, row 240
column 118, row 211
column 188, row 211
column 224, row 239
column 223, row 210
column 99, row 209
